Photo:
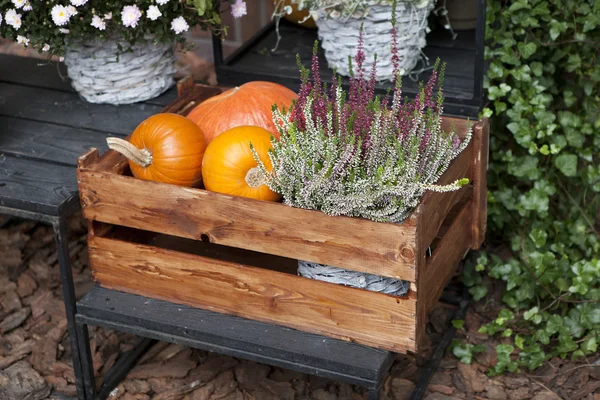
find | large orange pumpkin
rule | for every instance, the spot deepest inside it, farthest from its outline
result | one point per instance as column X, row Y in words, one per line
column 229, row 167
column 249, row 104
column 297, row 16
column 164, row 148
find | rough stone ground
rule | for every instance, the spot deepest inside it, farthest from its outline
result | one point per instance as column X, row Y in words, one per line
column 35, row 353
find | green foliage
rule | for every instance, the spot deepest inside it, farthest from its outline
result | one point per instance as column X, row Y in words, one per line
column 543, row 87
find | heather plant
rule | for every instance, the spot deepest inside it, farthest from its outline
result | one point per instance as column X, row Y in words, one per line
column 359, row 154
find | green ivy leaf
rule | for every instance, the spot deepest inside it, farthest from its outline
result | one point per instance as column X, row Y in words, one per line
column 527, row 50
column 458, row 323
column 567, row 164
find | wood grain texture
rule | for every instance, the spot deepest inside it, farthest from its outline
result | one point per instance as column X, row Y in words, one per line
column 435, row 272
column 274, row 228
column 356, row 315
column 479, row 167
column 435, row 205
column 67, row 109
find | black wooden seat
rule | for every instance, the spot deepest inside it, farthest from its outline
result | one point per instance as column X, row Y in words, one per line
column 234, row 336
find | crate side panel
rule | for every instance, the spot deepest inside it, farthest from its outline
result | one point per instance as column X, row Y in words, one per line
column 356, row 315
column 274, row 228
column 438, row 269
column 478, row 174
column 435, row 206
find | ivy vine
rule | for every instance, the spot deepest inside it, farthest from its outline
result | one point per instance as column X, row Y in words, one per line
column 543, row 87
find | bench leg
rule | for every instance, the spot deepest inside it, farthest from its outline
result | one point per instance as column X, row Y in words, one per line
column 87, row 364
column 373, row 392
column 68, row 288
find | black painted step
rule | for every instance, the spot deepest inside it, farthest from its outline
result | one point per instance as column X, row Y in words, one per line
column 234, row 336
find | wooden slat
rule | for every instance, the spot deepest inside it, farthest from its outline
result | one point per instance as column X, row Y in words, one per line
column 48, row 142
column 379, row 248
column 37, row 186
column 356, row 315
column 478, row 174
column 435, row 205
column 234, row 336
column 65, row 108
column 435, row 272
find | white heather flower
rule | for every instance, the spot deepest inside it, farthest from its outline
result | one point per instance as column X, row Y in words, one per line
column 60, row 15
column 61, row 59
column 12, row 18
column 162, row 2
column 46, row 47
column 98, row 22
column 130, row 16
column 27, row 6
column 19, row 3
column 153, row 13
column 63, row 30
column 71, row 10
column 22, row 40
column 238, row 9
column 108, row 15
column 179, row 25
column 0, row 19
column 78, row 3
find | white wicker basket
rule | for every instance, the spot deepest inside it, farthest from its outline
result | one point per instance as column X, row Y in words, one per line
column 340, row 276
column 339, row 37
column 115, row 72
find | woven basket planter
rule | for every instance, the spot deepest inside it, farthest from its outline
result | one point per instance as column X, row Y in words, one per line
column 340, row 276
column 339, row 37
column 101, row 72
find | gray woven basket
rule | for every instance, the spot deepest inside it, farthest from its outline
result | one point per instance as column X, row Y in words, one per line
column 115, row 72
column 339, row 37
column 340, row 276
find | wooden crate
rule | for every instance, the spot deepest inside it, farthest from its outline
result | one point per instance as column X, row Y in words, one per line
column 238, row 256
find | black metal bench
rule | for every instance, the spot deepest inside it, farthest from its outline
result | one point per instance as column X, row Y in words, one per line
column 44, row 127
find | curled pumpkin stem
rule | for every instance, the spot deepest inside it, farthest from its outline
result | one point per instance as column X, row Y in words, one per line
column 141, row 157
column 255, row 177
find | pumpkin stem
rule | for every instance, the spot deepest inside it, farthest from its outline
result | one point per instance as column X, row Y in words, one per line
column 255, row 178
column 141, row 157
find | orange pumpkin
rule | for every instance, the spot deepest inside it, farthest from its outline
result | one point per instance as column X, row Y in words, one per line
column 249, row 104
column 297, row 16
column 164, row 148
column 229, row 167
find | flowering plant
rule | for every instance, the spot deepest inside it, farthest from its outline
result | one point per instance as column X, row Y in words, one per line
column 359, row 154
column 46, row 25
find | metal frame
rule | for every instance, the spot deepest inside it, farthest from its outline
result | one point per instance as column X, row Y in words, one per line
column 227, row 75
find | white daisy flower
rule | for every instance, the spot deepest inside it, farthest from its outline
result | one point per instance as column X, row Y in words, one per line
column 179, row 25
column 46, row 47
column 13, row 19
column 78, row 3
column 130, row 16
column 71, row 10
column 60, row 15
column 19, row 3
column 108, row 15
column 153, row 13
column 22, row 40
column 162, row 2
column 27, row 6
column 98, row 22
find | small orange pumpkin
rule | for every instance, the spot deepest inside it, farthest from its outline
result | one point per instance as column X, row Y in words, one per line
column 229, row 167
column 164, row 148
column 249, row 104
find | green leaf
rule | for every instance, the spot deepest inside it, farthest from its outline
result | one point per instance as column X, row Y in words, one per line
column 478, row 292
column 590, row 345
column 530, row 313
column 527, row 49
column 567, row 164
column 458, row 323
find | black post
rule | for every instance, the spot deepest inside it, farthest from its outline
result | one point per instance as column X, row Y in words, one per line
column 66, row 276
